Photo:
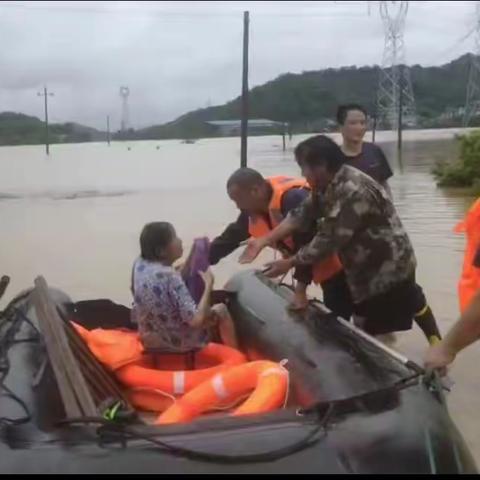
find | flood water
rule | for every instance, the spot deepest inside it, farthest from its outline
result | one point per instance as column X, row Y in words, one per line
column 75, row 217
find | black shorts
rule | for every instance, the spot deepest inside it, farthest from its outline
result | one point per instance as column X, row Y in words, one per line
column 392, row 311
column 337, row 297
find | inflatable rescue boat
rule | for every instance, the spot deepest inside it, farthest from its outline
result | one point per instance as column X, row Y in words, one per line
column 307, row 393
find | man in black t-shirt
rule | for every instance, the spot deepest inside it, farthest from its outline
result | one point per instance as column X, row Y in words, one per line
column 366, row 156
column 370, row 159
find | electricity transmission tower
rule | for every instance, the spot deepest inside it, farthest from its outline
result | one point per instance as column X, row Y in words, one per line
column 395, row 94
column 472, row 104
column 124, row 93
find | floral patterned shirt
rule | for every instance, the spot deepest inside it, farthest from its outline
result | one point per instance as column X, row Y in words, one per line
column 163, row 309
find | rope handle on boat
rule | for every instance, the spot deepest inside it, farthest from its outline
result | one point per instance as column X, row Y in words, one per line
column 287, row 393
column 433, row 381
column 123, row 429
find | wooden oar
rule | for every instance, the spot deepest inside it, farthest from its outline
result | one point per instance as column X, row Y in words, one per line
column 72, row 384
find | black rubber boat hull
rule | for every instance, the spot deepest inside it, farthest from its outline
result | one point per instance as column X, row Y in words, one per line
column 399, row 431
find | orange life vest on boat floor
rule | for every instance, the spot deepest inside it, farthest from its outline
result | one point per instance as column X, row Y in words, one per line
column 122, row 352
column 259, row 227
column 113, row 348
column 469, row 283
column 268, row 381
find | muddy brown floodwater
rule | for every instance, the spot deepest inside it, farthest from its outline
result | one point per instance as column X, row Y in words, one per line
column 75, row 218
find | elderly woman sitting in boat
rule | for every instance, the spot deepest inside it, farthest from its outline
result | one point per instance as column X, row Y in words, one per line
column 168, row 318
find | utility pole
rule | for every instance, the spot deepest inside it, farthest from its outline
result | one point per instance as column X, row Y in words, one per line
column 46, row 94
column 400, row 118
column 375, row 116
column 374, row 127
column 108, row 130
column 244, row 118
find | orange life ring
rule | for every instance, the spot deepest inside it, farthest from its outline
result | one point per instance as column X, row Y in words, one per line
column 268, row 380
column 140, row 374
column 149, row 400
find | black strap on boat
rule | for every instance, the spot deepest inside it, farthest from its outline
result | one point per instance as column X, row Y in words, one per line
column 350, row 403
column 122, row 432
column 435, row 385
column 10, row 322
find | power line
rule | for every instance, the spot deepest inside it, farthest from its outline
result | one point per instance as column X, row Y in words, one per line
column 457, row 43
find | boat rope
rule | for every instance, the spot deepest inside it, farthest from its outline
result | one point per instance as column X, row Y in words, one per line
column 11, row 320
column 120, row 428
column 287, row 392
column 431, row 456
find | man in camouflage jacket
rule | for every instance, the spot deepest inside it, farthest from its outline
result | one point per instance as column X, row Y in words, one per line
column 356, row 219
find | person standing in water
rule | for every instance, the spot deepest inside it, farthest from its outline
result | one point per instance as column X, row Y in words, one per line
column 366, row 156
column 370, row 159
column 357, row 220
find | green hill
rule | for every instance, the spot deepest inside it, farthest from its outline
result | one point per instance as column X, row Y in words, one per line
column 19, row 129
column 308, row 100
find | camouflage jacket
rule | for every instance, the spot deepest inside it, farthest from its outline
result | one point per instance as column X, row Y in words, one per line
column 356, row 219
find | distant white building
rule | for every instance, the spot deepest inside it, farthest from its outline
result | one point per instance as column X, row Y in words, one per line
column 452, row 113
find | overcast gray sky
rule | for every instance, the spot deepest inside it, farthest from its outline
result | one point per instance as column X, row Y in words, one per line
column 178, row 56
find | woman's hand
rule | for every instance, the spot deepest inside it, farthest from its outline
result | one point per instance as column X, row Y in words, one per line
column 208, row 278
column 182, row 265
column 179, row 266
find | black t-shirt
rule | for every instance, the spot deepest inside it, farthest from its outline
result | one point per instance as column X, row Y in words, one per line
column 371, row 161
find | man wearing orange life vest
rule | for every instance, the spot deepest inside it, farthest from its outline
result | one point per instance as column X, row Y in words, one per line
column 264, row 203
column 467, row 330
column 469, row 283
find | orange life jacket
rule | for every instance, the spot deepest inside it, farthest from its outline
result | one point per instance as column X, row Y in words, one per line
column 122, row 352
column 469, row 283
column 113, row 348
column 259, row 226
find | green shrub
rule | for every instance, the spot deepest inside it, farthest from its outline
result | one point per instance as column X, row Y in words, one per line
column 465, row 172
